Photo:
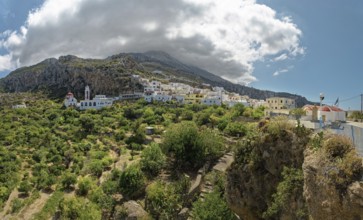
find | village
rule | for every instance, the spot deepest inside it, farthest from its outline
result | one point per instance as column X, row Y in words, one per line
column 156, row 91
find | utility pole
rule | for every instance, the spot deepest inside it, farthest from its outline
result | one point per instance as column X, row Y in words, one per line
column 361, row 103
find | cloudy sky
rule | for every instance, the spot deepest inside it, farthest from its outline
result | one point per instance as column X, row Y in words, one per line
column 303, row 47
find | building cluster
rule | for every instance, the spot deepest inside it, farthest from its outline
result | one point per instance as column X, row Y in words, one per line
column 156, row 91
column 186, row 94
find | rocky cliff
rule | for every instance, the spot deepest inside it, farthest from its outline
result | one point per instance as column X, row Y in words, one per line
column 69, row 73
column 265, row 180
column 111, row 76
column 282, row 172
column 333, row 180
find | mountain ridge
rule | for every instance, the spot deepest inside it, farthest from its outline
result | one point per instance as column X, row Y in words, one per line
column 112, row 76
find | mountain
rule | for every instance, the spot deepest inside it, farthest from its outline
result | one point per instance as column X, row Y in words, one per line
column 112, row 76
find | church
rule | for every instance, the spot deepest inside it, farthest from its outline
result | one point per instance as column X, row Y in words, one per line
column 98, row 102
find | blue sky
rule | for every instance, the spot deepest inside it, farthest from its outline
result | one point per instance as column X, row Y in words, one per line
column 332, row 35
column 319, row 43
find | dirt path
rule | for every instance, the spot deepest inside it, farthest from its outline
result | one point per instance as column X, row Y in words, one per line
column 14, row 194
column 35, row 207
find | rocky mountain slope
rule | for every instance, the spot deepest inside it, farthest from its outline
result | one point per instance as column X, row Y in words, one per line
column 111, row 76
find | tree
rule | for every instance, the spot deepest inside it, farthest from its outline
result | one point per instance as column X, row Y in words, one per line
column 162, row 200
column 87, row 123
column 85, row 184
column 132, row 181
column 180, row 140
column 236, row 129
column 96, row 167
column 152, row 159
column 68, row 180
column 190, row 147
column 213, row 207
column 25, row 187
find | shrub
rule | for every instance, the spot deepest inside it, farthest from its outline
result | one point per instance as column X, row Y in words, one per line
column 78, row 208
column 236, row 129
column 132, row 181
column 68, row 180
column 190, row 147
column 337, row 146
column 292, row 183
column 16, row 205
column 152, row 159
column 213, row 207
column 279, row 124
column 85, row 184
column 162, row 201
column 25, row 187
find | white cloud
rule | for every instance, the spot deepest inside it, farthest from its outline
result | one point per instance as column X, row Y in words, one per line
column 224, row 37
column 5, row 62
column 285, row 70
column 281, row 57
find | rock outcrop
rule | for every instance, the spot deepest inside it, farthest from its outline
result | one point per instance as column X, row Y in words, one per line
column 257, row 171
column 56, row 77
column 333, row 184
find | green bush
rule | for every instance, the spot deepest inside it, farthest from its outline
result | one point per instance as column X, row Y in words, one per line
column 236, row 129
column 292, row 183
column 68, row 180
column 79, row 208
column 85, row 184
column 132, row 181
column 213, row 207
column 189, row 146
column 152, row 159
column 16, row 205
column 162, row 200
column 337, row 146
column 25, row 187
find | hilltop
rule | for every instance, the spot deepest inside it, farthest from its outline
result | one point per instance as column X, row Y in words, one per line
column 112, row 76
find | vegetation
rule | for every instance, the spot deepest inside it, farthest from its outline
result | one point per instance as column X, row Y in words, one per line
column 190, row 147
column 90, row 162
column 291, row 185
column 152, row 160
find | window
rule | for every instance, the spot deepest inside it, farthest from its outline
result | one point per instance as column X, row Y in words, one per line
column 94, row 104
column 90, row 104
column 85, row 104
column 281, row 101
column 81, row 103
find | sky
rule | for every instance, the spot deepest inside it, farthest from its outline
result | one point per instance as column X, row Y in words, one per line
column 301, row 47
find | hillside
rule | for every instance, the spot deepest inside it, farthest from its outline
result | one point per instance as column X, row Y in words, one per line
column 111, row 76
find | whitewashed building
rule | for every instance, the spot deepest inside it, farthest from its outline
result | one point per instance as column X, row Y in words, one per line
column 216, row 100
column 98, row 102
column 324, row 113
column 19, row 106
column 130, row 96
column 70, row 100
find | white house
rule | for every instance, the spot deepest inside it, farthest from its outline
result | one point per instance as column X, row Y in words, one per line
column 324, row 113
column 70, row 100
column 179, row 98
column 216, row 100
column 98, row 102
column 130, row 96
column 19, row 106
column 232, row 103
